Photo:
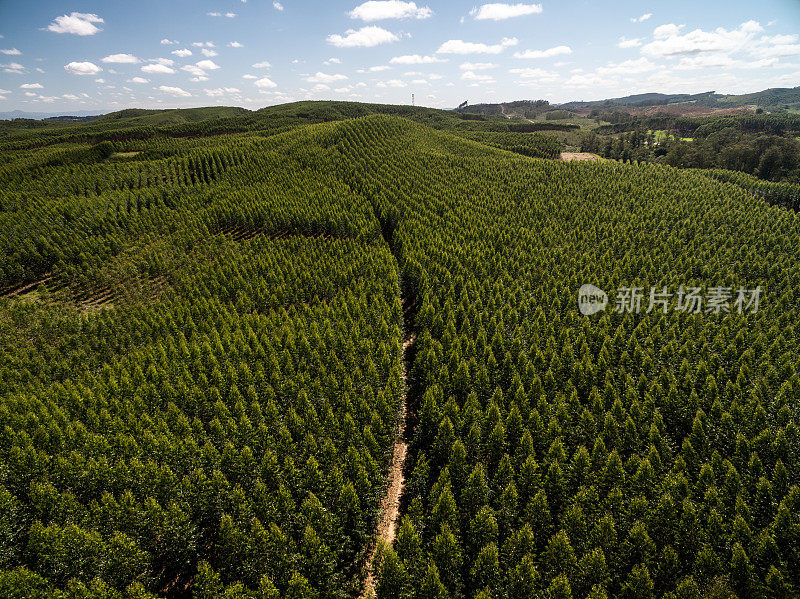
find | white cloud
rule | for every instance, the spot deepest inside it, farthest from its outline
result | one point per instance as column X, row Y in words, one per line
column 199, row 69
column 331, row 61
column 158, row 69
column 235, row 45
column 391, row 83
column 554, row 51
column 473, row 76
column 759, row 64
column 30, row 94
column 230, row 15
column 13, row 67
column 82, row 68
column 779, row 39
column 169, row 42
column 590, row 80
column 476, row 66
column 121, row 58
column 194, row 70
column 208, row 53
column 705, row 61
column 100, row 80
column 628, row 67
column 644, row 17
column 325, row 78
column 221, row 91
column 31, row 86
column 139, row 80
column 70, row 97
column 669, row 41
column 213, row 14
column 366, row 37
column 182, row 53
column 175, row 91
column 201, row 44
column 461, row 47
column 276, row 5
column 248, row 76
column 76, row 23
column 499, row 11
column 379, row 68
column 540, row 75
column 776, row 46
column 262, row 65
column 11, row 52
column 376, row 10
column 265, row 83
column 207, row 65
column 416, row 59
column 632, row 43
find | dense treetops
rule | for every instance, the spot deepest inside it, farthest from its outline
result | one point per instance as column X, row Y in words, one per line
column 229, row 437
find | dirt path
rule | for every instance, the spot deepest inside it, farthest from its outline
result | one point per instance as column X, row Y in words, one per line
column 390, row 504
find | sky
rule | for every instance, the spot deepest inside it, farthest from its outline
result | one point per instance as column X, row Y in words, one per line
column 62, row 55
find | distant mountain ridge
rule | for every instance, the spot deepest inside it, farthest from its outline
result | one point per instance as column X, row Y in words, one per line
column 22, row 114
column 772, row 98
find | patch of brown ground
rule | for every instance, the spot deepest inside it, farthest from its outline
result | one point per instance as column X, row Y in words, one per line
column 568, row 156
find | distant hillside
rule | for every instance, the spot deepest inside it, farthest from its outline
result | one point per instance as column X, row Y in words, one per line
column 709, row 102
column 173, row 116
column 201, row 122
column 21, row 114
column 70, row 119
column 649, row 99
column 777, row 96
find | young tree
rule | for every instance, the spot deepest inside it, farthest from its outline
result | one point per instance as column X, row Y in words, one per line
column 432, row 586
column 639, row 585
column 393, row 581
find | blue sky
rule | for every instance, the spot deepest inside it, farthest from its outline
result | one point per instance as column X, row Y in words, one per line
column 99, row 55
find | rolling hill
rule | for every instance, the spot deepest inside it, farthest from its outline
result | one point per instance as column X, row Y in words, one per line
column 216, row 347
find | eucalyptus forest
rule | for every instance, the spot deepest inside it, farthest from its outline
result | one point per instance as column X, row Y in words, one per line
column 218, row 327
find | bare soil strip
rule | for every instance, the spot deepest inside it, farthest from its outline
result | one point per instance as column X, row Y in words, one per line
column 24, row 287
column 390, row 504
column 246, row 234
column 568, row 156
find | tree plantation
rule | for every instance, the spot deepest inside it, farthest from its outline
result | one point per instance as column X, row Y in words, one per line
column 202, row 375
